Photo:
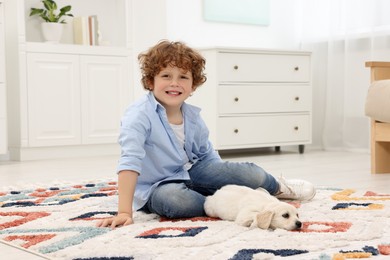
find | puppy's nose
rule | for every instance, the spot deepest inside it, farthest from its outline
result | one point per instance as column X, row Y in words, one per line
column 298, row 224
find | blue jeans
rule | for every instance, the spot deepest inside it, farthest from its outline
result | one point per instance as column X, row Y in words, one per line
column 184, row 199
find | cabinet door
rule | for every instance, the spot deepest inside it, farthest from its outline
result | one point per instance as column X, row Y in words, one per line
column 104, row 88
column 53, row 99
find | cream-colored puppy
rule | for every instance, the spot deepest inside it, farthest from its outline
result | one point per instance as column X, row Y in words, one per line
column 251, row 208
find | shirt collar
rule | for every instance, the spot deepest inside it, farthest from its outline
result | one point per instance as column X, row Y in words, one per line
column 153, row 101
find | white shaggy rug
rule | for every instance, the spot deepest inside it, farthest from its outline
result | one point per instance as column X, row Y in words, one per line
column 59, row 222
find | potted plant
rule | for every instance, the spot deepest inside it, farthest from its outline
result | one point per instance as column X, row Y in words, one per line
column 53, row 19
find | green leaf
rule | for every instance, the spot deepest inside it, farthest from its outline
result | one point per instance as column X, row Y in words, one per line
column 66, row 9
column 45, row 18
column 35, row 11
column 47, row 4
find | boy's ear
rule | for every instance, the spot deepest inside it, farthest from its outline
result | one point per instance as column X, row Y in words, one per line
column 150, row 84
column 264, row 219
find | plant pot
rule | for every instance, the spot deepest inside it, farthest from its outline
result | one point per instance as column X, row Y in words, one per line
column 52, row 32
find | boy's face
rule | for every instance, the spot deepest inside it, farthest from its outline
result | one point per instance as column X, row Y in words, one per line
column 172, row 86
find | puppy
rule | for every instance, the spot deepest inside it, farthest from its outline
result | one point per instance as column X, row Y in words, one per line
column 251, row 208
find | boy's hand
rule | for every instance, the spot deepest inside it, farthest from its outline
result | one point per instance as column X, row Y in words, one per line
column 122, row 219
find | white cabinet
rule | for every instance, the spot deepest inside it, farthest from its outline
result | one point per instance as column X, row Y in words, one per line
column 104, row 88
column 67, row 99
column 80, row 100
column 3, row 118
column 256, row 98
column 53, row 83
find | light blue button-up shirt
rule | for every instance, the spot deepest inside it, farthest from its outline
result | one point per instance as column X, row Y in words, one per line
column 149, row 145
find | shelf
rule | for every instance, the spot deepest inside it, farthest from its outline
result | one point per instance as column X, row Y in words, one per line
column 41, row 47
column 111, row 14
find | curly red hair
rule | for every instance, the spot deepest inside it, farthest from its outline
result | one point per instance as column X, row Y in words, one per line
column 176, row 54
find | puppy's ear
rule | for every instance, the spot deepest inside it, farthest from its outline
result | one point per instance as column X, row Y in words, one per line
column 264, row 219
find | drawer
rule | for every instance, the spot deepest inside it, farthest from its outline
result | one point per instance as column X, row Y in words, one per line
column 263, row 98
column 263, row 129
column 262, row 67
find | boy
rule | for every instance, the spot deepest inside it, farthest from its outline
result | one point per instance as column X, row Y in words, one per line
column 168, row 165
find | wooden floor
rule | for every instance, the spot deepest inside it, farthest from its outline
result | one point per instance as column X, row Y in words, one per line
column 333, row 169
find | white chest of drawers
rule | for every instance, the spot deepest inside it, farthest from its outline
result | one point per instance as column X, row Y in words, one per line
column 256, row 98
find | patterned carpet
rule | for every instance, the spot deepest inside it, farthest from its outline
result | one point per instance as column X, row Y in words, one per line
column 59, row 222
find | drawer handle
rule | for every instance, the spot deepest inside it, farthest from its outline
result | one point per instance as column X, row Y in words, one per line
column 236, row 131
column 296, row 98
column 236, row 99
column 296, row 68
column 235, row 67
column 296, row 128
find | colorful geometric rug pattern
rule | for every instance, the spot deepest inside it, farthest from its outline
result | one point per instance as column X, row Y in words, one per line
column 59, row 222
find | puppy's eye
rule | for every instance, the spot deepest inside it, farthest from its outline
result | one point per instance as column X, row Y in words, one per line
column 286, row 215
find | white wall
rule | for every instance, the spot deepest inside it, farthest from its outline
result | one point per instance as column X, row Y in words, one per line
column 185, row 22
column 148, row 27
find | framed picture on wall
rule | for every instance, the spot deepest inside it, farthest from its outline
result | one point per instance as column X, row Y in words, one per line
column 254, row 12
